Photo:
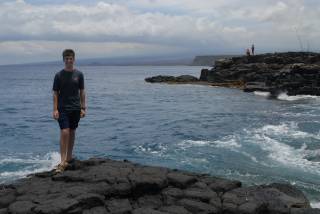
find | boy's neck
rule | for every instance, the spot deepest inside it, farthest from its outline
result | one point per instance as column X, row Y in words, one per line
column 69, row 69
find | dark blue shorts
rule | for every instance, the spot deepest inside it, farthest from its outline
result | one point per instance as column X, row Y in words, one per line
column 69, row 119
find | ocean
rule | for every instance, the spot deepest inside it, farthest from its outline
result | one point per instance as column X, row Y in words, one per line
column 220, row 131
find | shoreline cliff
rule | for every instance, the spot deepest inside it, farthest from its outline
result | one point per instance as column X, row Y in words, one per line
column 294, row 73
column 97, row 186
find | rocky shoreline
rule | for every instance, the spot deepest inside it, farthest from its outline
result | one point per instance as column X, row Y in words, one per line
column 294, row 73
column 98, row 186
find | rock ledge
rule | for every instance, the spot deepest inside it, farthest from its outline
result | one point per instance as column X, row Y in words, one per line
column 98, row 186
column 295, row 73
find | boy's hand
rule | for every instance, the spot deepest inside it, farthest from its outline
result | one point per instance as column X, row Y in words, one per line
column 56, row 114
column 82, row 113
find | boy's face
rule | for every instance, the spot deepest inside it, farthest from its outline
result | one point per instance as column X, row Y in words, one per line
column 69, row 61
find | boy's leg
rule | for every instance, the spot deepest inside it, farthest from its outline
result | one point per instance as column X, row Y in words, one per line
column 74, row 118
column 64, row 142
column 70, row 144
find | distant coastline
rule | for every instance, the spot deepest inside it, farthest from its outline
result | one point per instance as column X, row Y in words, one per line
column 205, row 60
column 209, row 60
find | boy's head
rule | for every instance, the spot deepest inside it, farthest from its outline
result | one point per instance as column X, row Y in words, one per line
column 68, row 53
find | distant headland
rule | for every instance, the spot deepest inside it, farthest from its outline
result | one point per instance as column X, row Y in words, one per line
column 295, row 73
column 208, row 60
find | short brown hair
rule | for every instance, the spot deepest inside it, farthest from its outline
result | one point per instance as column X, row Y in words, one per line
column 68, row 52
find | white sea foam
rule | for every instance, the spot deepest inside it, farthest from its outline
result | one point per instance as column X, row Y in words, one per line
column 190, row 143
column 262, row 93
column 33, row 165
column 227, row 143
column 224, row 143
column 235, row 173
column 230, row 142
column 159, row 150
column 268, row 138
column 290, row 129
column 284, row 96
column 315, row 204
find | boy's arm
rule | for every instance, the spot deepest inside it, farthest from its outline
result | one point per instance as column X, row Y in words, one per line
column 83, row 102
column 83, row 99
column 55, row 105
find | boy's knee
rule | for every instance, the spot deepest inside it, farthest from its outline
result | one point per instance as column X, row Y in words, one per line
column 65, row 131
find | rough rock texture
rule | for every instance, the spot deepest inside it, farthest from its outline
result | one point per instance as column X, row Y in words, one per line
column 292, row 72
column 99, row 186
column 296, row 73
column 172, row 79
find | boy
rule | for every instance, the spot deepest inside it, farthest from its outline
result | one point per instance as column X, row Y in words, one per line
column 69, row 104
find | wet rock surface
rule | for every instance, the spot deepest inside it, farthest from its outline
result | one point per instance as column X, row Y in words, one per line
column 98, row 186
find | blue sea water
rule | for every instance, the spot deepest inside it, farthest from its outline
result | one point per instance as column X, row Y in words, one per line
column 220, row 131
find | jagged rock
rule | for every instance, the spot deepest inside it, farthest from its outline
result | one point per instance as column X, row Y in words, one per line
column 98, row 186
column 4, row 211
column 151, row 201
column 147, row 211
column 223, row 63
column 305, row 211
column 197, row 206
column 160, row 78
column 172, row 79
column 61, row 204
column 21, row 207
column 186, row 78
column 148, row 179
column 171, row 195
column 293, row 72
column 89, row 200
column 175, row 210
column 200, row 185
column 96, row 210
column 204, row 75
column 7, row 196
column 180, row 180
column 200, row 194
column 274, row 198
column 220, row 184
column 119, row 206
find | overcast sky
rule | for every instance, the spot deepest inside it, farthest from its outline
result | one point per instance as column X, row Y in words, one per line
column 38, row 30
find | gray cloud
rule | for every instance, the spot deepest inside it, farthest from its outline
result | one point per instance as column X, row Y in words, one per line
column 191, row 25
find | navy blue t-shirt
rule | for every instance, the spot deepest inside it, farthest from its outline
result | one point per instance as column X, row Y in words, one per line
column 68, row 84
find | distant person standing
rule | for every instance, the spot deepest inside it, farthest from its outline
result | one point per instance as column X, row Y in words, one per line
column 69, row 105
column 248, row 52
column 252, row 49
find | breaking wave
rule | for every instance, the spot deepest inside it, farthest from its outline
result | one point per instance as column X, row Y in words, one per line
column 284, row 96
column 16, row 168
column 262, row 93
